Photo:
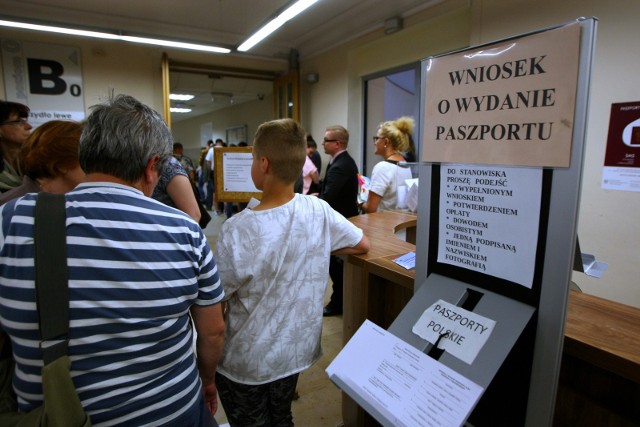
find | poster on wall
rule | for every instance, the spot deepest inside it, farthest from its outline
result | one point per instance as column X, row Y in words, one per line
column 45, row 77
column 622, row 158
column 509, row 103
column 489, row 220
column 233, row 175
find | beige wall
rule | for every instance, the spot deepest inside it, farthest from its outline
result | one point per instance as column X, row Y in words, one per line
column 607, row 224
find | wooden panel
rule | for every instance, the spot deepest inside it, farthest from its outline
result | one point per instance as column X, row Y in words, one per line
column 604, row 333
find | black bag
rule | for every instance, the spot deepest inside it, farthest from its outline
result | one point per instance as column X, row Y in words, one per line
column 205, row 217
column 61, row 405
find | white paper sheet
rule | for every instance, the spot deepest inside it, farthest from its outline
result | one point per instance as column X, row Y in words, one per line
column 407, row 260
column 466, row 332
column 412, row 194
column 489, row 218
column 237, row 172
column 408, row 387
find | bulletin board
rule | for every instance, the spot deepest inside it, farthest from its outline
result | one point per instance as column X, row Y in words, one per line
column 232, row 169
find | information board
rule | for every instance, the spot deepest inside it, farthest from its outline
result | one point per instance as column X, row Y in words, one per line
column 232, row 168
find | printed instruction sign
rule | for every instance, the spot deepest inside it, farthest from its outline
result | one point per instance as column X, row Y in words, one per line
column 459, row 332
column 509, row 103
column 233, row 182
column 489, row 219
column 237, row 172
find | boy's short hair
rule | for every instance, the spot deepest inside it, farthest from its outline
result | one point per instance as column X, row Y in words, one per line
column 284, row 143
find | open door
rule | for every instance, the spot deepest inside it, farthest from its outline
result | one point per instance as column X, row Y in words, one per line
column 286, row 96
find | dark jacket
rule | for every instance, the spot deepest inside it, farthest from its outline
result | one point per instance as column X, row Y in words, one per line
column 340, row 185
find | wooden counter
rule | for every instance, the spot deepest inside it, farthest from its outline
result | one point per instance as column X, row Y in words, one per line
column 600, row 374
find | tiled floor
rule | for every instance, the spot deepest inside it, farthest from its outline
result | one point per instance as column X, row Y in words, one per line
column 319, row 402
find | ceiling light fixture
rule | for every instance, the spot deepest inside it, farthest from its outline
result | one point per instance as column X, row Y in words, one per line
column 59, row 30
column 179, row 110
column 181, row 97
column 277, row 22
column 113, row 36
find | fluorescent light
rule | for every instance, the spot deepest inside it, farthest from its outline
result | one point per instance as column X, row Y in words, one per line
column 179, row 97
column 179, row 45
column 277, row 22
column 179, row 110
column 59, row 30
column 113, row 36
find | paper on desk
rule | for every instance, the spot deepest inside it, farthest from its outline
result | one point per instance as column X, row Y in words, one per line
column 407, row 260
column 467, row 332
column 593, row 268
column 597, row 269
column 408, row 387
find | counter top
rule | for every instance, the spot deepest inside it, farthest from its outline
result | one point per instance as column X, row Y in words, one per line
column 604, row 333
column 380, row 229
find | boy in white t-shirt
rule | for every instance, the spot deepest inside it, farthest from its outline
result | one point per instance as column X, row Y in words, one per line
column 273, row 261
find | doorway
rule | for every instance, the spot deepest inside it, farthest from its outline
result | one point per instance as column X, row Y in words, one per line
column 387, row 96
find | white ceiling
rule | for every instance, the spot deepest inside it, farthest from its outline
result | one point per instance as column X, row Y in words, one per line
column 326, row 24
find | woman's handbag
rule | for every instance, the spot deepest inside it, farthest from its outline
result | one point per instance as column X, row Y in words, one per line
column 61, row 405
column 205, row 217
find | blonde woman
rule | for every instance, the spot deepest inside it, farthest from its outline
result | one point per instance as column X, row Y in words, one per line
column 392, row 139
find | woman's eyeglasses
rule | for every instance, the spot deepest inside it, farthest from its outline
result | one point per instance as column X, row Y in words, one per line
column 17, row 122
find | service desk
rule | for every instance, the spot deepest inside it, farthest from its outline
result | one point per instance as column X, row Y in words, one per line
column 600, row 374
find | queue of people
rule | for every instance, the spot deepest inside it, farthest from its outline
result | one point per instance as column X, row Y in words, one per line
column 143, row 280
column 140, row 274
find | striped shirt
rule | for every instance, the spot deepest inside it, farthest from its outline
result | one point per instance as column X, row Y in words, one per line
column 136, row 267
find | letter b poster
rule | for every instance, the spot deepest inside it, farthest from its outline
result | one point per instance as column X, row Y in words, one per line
column 45, row 77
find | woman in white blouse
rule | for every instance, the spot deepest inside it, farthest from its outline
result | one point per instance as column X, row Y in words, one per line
column 392, row 139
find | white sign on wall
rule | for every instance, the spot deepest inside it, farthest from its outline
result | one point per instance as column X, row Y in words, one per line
column 462, row 333
column 489, row 219
column 45, row 77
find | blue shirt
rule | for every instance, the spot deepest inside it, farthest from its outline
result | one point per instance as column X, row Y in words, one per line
column 135, row 268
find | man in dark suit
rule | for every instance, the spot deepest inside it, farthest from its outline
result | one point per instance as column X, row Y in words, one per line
column 340, row 190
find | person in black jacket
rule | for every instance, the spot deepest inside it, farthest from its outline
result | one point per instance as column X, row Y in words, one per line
column 340, row 190
column 14, row 131
column 312, row 153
